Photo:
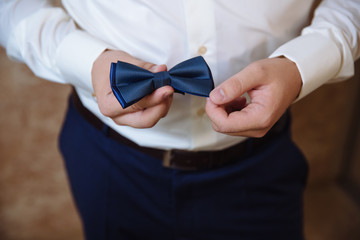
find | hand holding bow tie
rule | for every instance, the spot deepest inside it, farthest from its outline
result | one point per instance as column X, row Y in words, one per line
column 143, row 114
column 131, row 83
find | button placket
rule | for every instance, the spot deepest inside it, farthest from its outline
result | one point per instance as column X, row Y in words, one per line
column 202, row 50
column 201, row 39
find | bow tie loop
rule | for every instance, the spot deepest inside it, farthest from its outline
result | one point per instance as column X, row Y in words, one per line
column 131, row 83
column 161, row 79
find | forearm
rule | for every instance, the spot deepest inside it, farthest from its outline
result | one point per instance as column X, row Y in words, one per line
column 327, row 49
column 47, row 40
column 13, row 12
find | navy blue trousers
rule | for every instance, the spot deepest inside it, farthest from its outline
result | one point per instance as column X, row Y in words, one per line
column 122, row 193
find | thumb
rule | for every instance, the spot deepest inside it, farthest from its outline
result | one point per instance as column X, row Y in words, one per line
column 229, row 90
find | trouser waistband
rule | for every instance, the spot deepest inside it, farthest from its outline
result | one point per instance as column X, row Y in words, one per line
column 181, row 159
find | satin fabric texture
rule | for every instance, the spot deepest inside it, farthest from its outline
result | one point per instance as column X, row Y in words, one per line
column 131, row 83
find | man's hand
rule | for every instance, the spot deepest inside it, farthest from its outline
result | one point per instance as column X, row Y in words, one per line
column 143, row 114
column 272, row 85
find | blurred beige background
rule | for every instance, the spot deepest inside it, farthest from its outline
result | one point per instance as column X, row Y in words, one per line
column 35, row 201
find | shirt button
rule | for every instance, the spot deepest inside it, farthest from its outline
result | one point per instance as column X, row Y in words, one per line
column 202, row 50
column 200, row 112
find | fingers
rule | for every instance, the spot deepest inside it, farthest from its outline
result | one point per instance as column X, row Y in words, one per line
column 112, row 108
column 271, row 84
column 249, row 121
column 228, row 110
column 147, row 117
column 144, row 113
column 155, row 98
column 237, row 85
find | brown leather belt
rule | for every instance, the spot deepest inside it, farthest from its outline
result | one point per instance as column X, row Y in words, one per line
column 181, row 159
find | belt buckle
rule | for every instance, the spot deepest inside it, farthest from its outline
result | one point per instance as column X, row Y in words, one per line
column 167, row 159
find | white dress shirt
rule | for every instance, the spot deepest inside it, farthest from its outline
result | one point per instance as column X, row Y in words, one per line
column 61, row 44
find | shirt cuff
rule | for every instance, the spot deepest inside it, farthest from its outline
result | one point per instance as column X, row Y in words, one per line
column 75, row 57
column 317, row 58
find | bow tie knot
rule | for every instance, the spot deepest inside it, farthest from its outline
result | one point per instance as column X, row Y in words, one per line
column 130, row 83
column 161, row 79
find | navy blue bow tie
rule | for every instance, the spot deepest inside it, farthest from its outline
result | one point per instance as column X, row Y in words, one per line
column 130, row 83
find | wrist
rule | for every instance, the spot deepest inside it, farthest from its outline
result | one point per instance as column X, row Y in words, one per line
column 296, row 79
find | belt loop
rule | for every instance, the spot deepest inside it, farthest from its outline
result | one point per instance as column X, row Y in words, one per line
column 166, row 161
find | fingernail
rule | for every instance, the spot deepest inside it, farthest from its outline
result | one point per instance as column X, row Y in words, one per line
column 153, row 68
column 218, row 95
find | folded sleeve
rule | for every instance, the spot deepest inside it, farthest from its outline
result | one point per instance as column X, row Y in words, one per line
column 47, row 40
column 326, row 49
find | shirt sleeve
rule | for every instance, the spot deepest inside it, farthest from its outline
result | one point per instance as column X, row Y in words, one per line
column 47, row 40
column 326, row 49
